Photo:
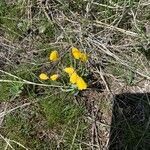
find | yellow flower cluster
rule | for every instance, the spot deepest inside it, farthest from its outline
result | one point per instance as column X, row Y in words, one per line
column 44, row 76
column 74, row 77
column 79, row 55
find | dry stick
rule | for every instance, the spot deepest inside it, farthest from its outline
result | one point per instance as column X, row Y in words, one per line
column 25, row 81
column 2, row 118
column 10, row 74
column 107, row 6
column 7, row 141
column 104, row 80
column 105, row 25
column 88, row 144
column 97, row 137
column 96, row 131
column 18, row 144
column 31, row 83
column 6, row 147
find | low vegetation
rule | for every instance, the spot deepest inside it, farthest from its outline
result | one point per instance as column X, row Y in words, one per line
column 43, row 105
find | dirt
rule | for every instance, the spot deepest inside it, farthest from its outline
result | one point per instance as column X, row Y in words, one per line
column 99, row 114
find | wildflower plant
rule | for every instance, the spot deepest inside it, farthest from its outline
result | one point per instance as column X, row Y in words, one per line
column 75, row 80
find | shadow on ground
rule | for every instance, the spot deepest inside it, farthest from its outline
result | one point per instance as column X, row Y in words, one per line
column 130, row 128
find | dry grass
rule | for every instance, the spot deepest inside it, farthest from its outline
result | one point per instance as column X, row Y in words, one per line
column 115, row 34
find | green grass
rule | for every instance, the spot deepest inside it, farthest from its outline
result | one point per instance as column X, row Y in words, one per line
column 45, row 121
column 30, row 30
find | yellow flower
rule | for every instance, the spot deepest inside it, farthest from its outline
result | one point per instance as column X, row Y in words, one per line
column 76, row 53
column 69, row 70
column 79, row 55
column 84, row 57
column 81, row 84
column 54, row 77
column 73, row 78
column 54, row 56
column 43, row 76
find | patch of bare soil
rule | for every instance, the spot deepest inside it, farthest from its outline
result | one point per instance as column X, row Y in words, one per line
column 99, row 115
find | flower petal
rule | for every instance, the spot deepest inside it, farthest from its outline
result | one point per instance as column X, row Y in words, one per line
column 54, row 56
column 76, row 53
column 81, row 84
column 69, row 70
column 43, row 76
column 84, row 57
column 54, row 77
column 73, row 78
